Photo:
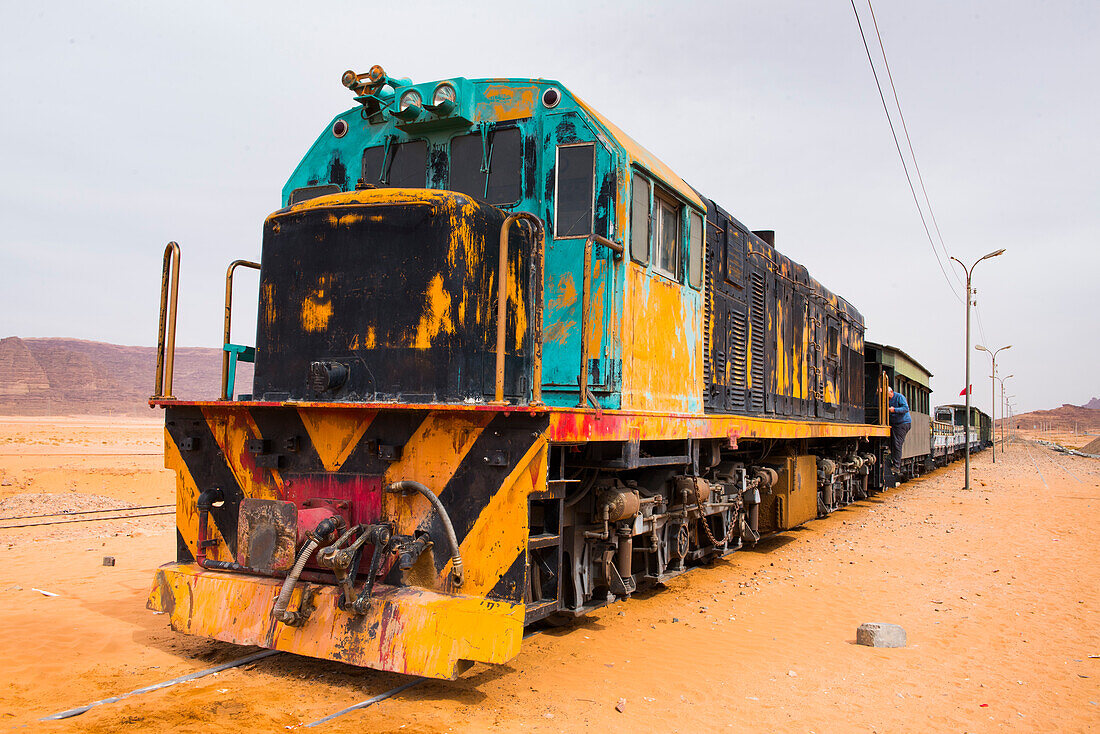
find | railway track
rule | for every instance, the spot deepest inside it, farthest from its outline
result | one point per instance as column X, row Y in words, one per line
column 255, row 657
column 117, row 513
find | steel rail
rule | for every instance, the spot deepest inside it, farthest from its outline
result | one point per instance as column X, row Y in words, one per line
column 1036, row 465
column 163, row 684
column 86, row 512
column 46, row 453
column 87, row 519
column 384, row 695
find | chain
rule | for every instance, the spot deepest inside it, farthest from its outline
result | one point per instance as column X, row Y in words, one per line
column 710, row 536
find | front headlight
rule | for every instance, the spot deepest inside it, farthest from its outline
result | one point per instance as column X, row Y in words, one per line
column 410, row 98
column 443, row 93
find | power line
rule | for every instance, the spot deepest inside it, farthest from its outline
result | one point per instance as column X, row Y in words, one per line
column 908, row 141
column 901, row 155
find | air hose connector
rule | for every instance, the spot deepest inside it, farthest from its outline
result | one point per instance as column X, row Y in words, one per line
column 406, row 486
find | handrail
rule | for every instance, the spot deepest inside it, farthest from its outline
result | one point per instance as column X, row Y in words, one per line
column 228, row 319
column 537, row 264
column 586, row 326
column 166, row 347
column 884, row 400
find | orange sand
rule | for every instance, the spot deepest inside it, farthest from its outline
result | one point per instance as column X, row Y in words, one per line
column 996, row 587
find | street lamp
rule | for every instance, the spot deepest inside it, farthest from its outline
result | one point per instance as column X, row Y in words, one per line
column 993, row 390
column 1004, row 409
column 969, row 293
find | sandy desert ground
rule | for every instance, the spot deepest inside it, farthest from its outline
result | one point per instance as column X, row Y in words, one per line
column 998, row 589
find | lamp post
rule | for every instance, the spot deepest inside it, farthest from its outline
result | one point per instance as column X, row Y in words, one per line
column 969, row 293
column 993, row 390
column 1004, row 410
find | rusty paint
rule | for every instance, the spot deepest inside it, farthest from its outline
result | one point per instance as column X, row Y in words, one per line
column 501, row 530
column 436, row 318
column 316, row 310
column 664, row 333
column 407, row 630
column 505, row 102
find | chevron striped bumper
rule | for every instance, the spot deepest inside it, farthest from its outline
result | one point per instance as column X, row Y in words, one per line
column 408, row 629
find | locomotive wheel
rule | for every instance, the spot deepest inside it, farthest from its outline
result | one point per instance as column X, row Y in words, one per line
column 682, row 542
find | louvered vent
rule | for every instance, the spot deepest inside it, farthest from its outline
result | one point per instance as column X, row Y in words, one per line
column 757, row 337
column 739, row 339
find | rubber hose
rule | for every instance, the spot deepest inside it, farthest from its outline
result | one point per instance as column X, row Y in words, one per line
column 408, row 485
column 291, row 579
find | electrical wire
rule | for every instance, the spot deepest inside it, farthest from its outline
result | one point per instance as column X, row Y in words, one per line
column 909, row 142
column 901, row 156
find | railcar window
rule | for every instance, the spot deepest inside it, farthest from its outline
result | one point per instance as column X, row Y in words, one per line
column 407, row 166
column 574, row 191
column 695, row 251
column 667, row 238
column 502, row 184
column 639, row 220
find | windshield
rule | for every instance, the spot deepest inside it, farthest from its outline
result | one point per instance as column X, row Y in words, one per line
column 489, row 169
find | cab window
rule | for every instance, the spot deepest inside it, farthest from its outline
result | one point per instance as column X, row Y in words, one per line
column 405, row 167
column 503, row 152
column 573, row 216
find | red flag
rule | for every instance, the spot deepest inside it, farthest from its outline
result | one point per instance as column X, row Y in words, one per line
column 963, row 391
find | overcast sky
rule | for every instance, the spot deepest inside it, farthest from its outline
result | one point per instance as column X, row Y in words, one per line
column 128, row 125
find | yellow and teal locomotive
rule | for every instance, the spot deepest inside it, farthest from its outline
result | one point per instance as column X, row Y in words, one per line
column 508, row 366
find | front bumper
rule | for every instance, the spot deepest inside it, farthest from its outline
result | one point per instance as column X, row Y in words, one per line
column 407, row 630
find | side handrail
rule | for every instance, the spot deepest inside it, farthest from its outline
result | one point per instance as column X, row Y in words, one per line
column 884, row 400
column 228, row 320
column 537, row 265
column 586, row 296
column 166, row 342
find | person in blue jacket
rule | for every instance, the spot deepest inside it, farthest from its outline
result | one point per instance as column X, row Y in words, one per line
column 900, row 423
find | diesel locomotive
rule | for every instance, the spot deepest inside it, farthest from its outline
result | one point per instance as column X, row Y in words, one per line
column 508, row 367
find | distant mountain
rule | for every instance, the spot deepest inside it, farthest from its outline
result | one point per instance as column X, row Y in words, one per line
column 1093, row 404
column 73, row 377
column 1065, row 418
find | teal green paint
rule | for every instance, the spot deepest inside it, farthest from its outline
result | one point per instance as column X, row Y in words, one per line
column 567, row 122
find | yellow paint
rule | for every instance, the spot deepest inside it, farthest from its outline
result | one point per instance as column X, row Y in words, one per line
column 406, row 630
column 369, row 341
column 506, row 102
column 436, row 317
column 344, row 220
column 334, row 435
column 431, row 456
column 317, row 307
column 596, row 311
column 516, row 302
column 232, row 429
column 187, row 514
column 267, row 301
column 562, row 299
column 660, row 367
column 500, row 532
